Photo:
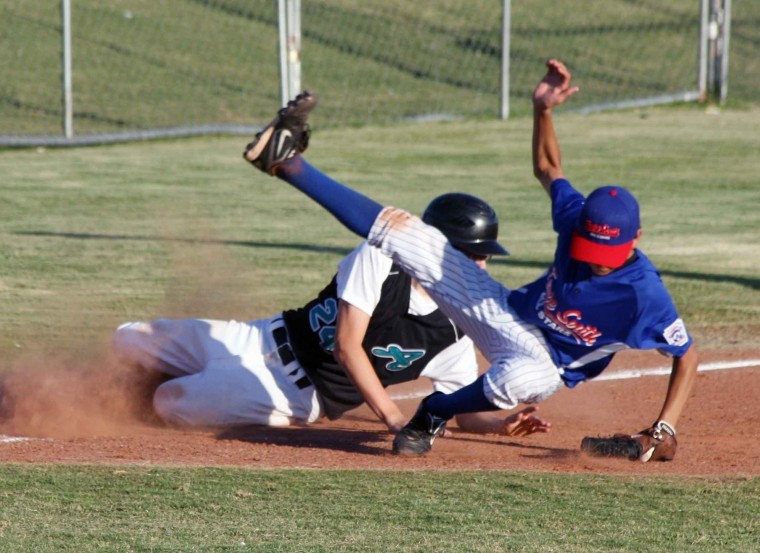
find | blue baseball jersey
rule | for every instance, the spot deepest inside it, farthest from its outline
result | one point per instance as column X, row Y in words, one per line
column 587, row 318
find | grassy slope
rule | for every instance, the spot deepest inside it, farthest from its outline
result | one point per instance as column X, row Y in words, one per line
column 148, row 64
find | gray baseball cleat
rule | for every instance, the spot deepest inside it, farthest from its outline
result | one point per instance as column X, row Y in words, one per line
column 285, row 137
column 417, row 437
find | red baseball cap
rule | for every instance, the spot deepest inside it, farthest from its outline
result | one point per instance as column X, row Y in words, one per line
column 606, row 227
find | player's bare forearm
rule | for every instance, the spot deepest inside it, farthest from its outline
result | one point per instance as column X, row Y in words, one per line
column 547, row 162
column 681, row 383
column 359, row 370
column 522, row 423
column 350, row 331
column 551, row 91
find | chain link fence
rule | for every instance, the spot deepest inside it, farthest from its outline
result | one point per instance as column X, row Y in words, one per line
column 145, row 68
column 138, row 66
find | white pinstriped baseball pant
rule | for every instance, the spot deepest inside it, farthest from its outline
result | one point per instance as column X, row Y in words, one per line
column 522, row 370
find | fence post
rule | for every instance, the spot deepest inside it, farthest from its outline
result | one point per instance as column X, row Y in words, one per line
column 723, row 59
column 68, row 102
column 289, row 26
column 506, row 29
column 704, row 39
column 719, row 34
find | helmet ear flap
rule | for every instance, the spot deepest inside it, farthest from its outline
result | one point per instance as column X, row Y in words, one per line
column 468, row 222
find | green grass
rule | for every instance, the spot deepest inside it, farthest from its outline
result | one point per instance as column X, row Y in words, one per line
column 118, row 509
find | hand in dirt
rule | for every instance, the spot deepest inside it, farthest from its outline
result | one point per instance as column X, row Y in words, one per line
column 395, row 422
column 524, row 423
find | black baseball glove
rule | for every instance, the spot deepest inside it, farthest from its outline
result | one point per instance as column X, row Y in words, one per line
column 286, row 136
column 657, row 443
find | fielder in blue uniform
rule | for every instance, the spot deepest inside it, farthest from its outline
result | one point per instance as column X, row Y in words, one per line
column 600, row 295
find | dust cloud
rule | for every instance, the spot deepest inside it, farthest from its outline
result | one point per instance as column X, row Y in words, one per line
column 68, row 399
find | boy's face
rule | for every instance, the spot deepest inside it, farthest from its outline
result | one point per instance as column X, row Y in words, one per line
column 600, row 270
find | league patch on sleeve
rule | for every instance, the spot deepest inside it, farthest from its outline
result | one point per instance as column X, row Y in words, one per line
column 676, row 334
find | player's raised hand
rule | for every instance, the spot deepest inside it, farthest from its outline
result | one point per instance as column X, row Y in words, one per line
column 525, row 422
column 554, row 88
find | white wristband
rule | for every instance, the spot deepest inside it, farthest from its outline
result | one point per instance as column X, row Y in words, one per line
column 665, row 426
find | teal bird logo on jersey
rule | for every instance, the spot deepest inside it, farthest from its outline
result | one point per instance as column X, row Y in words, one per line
column 400, row 358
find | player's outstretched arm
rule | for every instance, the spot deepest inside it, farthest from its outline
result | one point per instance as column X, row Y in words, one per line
column 522, row 423
column 552, row 91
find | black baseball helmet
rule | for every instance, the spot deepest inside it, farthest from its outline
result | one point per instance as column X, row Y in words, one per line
column 470, row 224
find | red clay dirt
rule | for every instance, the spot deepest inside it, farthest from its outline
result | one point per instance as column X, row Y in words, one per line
column 95, row 416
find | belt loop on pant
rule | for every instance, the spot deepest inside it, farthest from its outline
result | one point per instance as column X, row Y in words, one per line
column 280, row 335
column 285, row 351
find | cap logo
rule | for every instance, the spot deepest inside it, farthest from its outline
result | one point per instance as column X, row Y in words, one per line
column 605, row 232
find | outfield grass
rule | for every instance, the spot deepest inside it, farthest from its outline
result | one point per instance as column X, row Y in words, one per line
column 118, row 509
column 92, row 237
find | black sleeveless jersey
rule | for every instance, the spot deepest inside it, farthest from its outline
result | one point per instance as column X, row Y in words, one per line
column 398, row 344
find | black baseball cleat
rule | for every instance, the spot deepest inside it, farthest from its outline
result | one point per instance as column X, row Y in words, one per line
column 417, row 437
column 285, row 137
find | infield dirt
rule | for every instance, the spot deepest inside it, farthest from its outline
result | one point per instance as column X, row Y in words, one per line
column 96, row 415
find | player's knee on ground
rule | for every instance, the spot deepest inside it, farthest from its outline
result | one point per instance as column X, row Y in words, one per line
column 177, row 407
column 124, row 341
column 168, row 404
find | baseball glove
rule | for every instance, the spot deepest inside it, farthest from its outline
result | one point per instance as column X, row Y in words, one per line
column 657, row 443
column 286, row 136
